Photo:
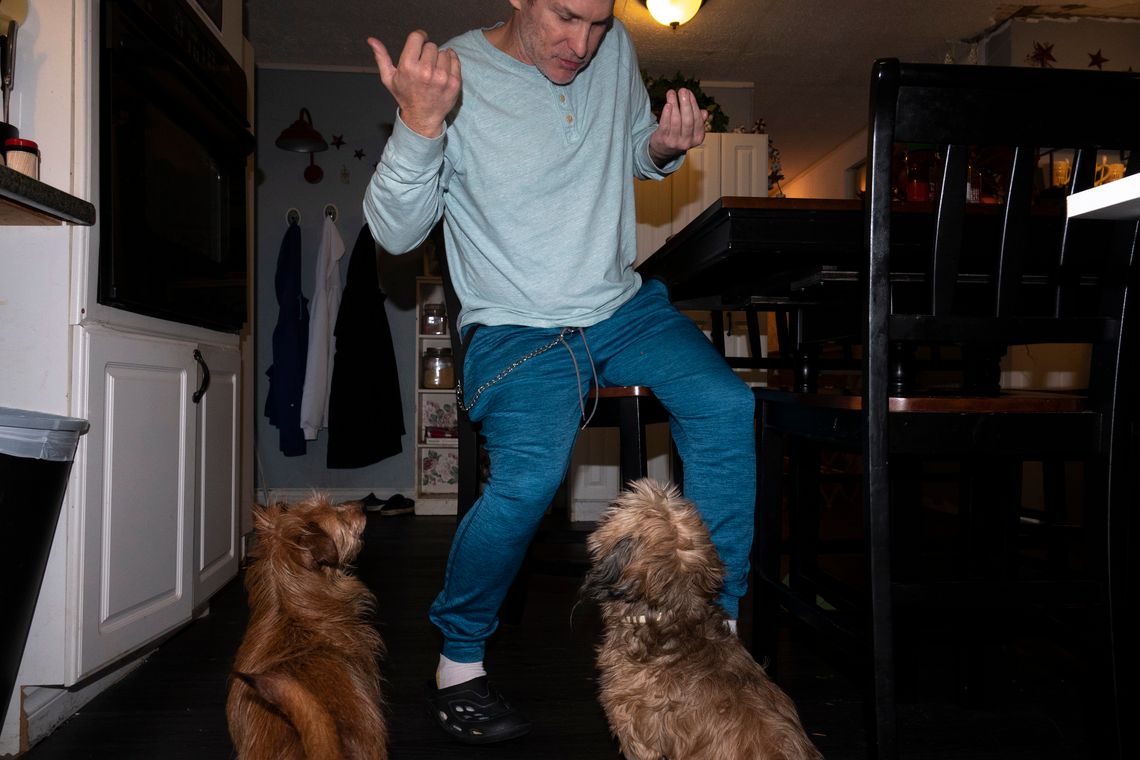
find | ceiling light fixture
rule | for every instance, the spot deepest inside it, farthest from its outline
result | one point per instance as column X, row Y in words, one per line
column 673, row 13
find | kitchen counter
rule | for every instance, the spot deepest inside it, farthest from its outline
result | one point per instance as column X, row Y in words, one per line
column 1119, row 199
column 26, row 201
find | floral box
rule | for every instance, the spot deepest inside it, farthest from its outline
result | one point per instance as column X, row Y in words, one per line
column 438, row 418
column 439, row 470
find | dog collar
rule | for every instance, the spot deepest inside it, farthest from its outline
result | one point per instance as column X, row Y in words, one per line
column 641, row 619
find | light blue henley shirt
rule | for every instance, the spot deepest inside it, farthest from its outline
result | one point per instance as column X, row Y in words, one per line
column 535, row 184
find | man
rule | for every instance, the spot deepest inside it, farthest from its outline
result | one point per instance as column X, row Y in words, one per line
column 526, row 137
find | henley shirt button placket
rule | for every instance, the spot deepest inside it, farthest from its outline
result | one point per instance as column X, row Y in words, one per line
column 568, row 116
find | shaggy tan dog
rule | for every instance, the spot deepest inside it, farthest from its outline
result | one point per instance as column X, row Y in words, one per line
column 307, row 680
column 676, row 683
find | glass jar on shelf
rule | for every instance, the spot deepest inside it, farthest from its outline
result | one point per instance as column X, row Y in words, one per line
column 433, row 320
column 437, row 368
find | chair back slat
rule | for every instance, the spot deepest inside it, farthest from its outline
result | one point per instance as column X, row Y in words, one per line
column 1013, row 248
column 991, row 276
column 948, row 229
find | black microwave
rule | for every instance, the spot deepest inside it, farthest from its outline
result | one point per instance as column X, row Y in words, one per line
column 174, row 141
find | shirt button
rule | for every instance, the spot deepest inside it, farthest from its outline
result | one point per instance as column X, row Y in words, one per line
column 561, row 98
column 569, row 119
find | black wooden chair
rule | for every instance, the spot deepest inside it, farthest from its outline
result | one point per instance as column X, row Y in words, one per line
column 629, row 409
column 931, row 324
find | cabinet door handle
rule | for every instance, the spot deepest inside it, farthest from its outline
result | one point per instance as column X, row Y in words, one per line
column 205, row 386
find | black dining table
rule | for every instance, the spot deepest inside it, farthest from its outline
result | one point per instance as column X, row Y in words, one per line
column 747, row 252
column 801, row 259
column 743, row 249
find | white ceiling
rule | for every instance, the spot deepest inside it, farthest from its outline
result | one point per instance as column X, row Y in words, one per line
column 809, row 60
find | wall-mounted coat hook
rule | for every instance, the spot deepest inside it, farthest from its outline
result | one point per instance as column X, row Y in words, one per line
column 293, row 216
column 331, row 212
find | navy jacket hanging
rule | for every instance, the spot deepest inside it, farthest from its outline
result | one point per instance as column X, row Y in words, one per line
column 366, row 415
column 290, row 347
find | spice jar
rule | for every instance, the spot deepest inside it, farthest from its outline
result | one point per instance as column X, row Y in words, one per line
column 438, row 371
column 434, row 320
column 23, row 156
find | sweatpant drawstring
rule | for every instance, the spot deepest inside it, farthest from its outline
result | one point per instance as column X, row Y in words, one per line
column 578, row 374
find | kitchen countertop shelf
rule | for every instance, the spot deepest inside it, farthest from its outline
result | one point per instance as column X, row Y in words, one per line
column 27, row 201
column 1119, row 199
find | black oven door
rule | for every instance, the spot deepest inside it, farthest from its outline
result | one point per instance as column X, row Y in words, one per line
column 174, row 142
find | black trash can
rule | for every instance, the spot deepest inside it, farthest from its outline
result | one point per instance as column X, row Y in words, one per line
column 36, row 452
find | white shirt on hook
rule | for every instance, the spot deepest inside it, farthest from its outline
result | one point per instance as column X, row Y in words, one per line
column 322, row 321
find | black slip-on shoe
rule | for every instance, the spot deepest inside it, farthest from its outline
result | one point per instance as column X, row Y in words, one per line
column 397, row 504
column 372, row 503
column 474, row 713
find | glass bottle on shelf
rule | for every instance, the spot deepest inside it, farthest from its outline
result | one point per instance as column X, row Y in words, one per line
column 920, row 166
column 973, row 179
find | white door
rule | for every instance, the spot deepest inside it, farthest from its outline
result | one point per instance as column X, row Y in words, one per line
column 744, row 164
column 133, row 580
column 216, row 552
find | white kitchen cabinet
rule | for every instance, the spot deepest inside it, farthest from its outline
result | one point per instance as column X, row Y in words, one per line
column 148, row 529
column 217, row 502
column 158, row 519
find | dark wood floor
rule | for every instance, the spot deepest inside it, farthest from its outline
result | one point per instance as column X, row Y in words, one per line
column 172, row 707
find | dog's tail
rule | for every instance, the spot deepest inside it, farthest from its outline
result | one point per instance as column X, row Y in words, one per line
column 314, row 724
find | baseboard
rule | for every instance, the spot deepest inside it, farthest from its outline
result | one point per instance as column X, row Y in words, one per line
column 588, row 510
column 44, row 708
column 443, row 505
column 293, row 495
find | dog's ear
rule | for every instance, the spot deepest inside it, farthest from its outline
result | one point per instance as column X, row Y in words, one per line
column 604, row 579
column 264, row 515
column 317, row 547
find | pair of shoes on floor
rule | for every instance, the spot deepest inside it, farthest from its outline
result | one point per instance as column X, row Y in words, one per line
column 474, row 713
column 396, row 504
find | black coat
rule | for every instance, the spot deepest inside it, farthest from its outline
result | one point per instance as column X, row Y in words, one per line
column 366, row 415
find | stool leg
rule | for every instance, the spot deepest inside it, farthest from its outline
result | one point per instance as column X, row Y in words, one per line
column 766, row 564
column 631, row 436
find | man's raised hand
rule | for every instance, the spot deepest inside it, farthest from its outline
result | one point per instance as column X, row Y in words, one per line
column 681, row 126
column 425, row 81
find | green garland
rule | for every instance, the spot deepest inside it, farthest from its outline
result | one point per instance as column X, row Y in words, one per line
column 658, row 86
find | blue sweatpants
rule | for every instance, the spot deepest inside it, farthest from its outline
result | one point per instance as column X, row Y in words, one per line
column 530, row 420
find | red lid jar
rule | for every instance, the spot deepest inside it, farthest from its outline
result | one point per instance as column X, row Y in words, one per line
column 22, row 156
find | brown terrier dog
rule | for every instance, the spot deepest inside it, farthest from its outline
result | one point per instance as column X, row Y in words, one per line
column 676, row 683
column 307, row 678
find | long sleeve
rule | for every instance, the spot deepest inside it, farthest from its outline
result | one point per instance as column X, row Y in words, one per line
column 644, row 125
column 326, row 302
column 404, row 199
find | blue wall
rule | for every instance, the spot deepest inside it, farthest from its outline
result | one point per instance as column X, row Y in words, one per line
column 357, row 107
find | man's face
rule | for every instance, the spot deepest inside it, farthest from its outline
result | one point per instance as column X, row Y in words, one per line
column 561, row 36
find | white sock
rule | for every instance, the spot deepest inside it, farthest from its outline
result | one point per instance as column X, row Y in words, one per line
column 732, row 626
column 450, row 673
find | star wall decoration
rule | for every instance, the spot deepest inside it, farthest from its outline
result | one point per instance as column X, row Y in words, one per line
column 1098, row 60
column 1042, row 55
column 337, row 141
column 358, row 154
